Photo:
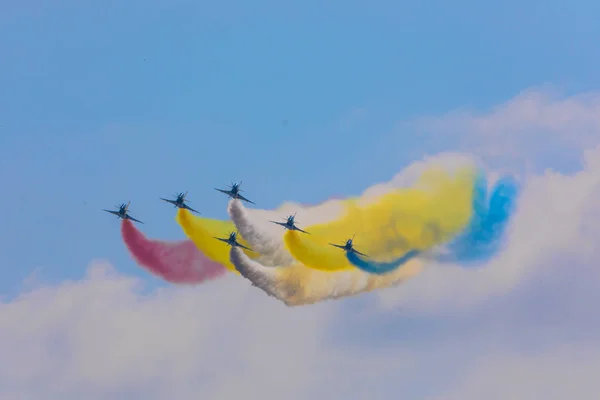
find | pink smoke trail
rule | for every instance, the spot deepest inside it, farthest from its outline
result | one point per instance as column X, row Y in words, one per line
column 176, row 262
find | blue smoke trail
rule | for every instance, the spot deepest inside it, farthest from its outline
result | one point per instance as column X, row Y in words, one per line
column 484, row 236
column 380, row 268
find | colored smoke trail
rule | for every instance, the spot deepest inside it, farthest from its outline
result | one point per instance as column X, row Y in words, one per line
column 175, row 262
column 202, row 232
column 483, row 237
column 297, row 285
column 264, row 241
column 407, row 219
column 266, row 237
column 380, row 268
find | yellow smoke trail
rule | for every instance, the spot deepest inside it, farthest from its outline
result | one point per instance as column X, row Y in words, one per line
column 202, row 232
column 431, row 212
column 297, row 285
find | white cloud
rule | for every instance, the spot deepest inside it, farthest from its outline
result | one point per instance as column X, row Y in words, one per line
column 101, row 335
column 548, row 333
column 563, row 374
column 536, row 128
column 523, row 327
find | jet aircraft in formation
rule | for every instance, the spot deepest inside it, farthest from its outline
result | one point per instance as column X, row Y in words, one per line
column 232, row 241
column 122, row 212
column 180, row 202
column 348, row 247
column 290, row 224
column 234, row 192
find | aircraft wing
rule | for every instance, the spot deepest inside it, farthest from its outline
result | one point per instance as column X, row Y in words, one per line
column 222, row 240
column 190, row 208
column 337, row 245
column 245, row 199
column 133, row 219
column 358, row 252
column 169, row 201
column 243, row 247
column 227, row 192
column 112, row 212
column 298, row 229
column 279, row 223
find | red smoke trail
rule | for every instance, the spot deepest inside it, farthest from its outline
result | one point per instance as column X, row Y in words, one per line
column 175, row 262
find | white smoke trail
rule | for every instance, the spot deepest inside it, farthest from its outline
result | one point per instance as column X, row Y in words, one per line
column 297, row 285
column 266, row 237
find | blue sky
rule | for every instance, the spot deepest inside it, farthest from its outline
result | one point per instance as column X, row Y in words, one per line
column 104, row 103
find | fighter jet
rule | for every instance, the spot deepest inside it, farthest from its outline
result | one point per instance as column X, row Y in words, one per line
column 290, row 224
column 234, row 192
column 122, row 212
column 232, row 241
column 180, row 202
column 348, row 247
